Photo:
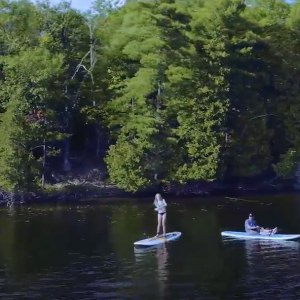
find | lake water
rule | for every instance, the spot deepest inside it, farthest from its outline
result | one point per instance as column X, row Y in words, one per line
column 86, row 252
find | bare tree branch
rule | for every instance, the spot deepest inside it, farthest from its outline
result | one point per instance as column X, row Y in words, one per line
column 80, row 65
column 32, row 148
column 39, row 146
column 92, row 26
column 260, row 116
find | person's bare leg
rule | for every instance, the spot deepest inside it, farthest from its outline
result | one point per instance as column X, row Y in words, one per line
column 164, row 218
column 159, row 221
column 265, row 231
column 274, row 230
column 269, row 231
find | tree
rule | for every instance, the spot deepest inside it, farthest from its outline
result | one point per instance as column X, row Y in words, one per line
column 27, row 88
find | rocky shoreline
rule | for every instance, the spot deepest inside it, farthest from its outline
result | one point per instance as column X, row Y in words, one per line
column 74, row 191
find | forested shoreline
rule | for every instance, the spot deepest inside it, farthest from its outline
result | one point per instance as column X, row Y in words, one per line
column 149, row 93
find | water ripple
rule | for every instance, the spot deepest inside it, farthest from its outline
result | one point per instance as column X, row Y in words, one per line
column 45, row 258
column 273, row 270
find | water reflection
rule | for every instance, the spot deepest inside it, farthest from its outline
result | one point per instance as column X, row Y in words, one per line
column 87, row 252
column 273, row 269
column 157, row 278
column 268, row 248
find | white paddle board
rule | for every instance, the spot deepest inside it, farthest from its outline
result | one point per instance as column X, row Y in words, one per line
column 245, row 235
column 158, row 240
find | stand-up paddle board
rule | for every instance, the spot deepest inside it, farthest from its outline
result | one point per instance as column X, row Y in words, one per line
column 158, row 240
column 245, row 235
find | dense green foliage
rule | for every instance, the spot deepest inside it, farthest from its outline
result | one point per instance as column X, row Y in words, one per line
column 183, row 90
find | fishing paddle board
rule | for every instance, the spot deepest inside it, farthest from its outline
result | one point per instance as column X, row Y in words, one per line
column 245, row 235
column 154, row 241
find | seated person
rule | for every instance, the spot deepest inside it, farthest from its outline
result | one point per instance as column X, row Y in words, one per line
column 252, row 228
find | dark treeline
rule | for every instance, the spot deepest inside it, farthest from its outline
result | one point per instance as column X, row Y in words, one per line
column 175, row 90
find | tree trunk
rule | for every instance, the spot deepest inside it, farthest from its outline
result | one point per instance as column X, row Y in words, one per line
column 44, row 163
column 98, row 141
column 67, row 165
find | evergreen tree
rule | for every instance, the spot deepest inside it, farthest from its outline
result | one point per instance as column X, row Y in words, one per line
column 182, row 90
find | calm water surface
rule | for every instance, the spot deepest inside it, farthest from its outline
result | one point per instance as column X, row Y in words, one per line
column 86, row 252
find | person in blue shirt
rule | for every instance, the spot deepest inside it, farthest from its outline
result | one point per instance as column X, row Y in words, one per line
column 253, row 228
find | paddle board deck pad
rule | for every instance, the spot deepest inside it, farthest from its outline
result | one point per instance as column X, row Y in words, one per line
column 245, row 235
column 153, row 241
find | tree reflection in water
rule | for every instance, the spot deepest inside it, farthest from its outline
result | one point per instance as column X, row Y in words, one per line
column 271, row 264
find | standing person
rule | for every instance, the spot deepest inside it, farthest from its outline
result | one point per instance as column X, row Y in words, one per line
column 160, row 207
column 253, row 228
